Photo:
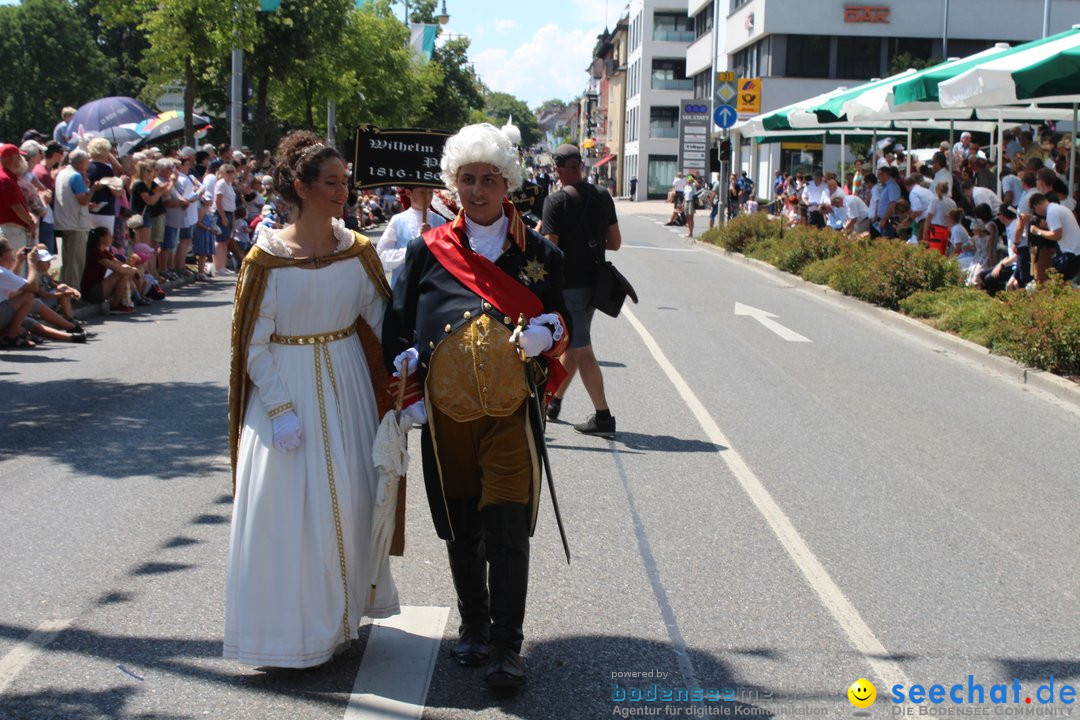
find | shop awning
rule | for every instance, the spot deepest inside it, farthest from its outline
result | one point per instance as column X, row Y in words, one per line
column 603, row 160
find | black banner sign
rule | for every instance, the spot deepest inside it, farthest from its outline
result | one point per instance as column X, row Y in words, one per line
column 399, row 156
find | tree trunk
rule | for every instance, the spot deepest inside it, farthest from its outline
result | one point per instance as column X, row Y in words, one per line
column 261, row 110
column 189, row 103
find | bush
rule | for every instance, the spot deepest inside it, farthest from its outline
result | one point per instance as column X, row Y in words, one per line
column 742, row 230
column 798, row 247
column 967, row 312
column 885, row 272
column 1041, row 329
column 822, row 271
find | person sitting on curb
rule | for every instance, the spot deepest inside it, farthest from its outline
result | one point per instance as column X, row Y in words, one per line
column 55, row 296
column 98, row 284
column 21, row 309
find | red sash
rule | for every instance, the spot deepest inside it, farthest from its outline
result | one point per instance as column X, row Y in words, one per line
column 476, row 272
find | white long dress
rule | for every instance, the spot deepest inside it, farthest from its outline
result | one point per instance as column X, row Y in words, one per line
column 296, row 589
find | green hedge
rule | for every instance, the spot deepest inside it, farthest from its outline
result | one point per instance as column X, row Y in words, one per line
column 1040, row 329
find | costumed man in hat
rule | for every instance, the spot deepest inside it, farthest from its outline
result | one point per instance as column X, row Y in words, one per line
column 478, row 312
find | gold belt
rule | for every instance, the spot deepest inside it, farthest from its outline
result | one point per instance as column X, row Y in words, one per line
column 320, row 339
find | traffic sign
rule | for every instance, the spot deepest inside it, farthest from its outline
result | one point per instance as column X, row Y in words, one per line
column 725, row 88
column 725, row 116
column 750, row 95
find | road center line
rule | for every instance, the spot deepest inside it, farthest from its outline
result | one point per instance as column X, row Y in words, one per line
column 395, row 672
column 24, row 653
column 859, row 634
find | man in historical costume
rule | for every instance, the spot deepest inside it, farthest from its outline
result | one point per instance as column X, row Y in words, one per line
column 479, row 312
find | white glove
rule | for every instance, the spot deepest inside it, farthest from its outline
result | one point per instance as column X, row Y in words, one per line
column 534, row 339
column 287, row 435
column 412, row 355
column 415, row 414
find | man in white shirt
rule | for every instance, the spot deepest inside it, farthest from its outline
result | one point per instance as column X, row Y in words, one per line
column 980, row 195
column 919, row 198
column 962, row 150
column 858, row 214
column 1011, row 189
column 16, row 296
column 1064, row 231
column 811, row 197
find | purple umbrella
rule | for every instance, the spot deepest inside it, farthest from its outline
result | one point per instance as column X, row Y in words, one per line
column 97, row 115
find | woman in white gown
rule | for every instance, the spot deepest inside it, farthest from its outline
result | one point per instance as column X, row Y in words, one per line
column 305, row 398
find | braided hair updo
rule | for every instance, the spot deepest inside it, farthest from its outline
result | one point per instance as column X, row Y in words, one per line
column 299, row 156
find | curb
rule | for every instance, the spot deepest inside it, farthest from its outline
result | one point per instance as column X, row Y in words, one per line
column 97, row 309
column 1055, row 385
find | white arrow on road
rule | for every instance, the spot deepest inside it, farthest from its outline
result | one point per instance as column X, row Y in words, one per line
column 766, row 319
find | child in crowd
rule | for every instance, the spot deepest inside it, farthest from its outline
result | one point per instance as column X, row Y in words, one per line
column 203, row 237
column 961, row 246
column 55, row 296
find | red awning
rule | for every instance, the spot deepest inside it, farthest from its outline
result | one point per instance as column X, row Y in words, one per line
column 605, row 159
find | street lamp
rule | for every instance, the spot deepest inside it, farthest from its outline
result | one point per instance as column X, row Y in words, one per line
column 443, row 17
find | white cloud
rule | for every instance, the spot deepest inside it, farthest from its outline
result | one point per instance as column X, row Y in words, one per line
column 504, row 25
column 552, row 64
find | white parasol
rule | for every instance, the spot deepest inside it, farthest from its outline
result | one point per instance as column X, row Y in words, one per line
column 390, row 455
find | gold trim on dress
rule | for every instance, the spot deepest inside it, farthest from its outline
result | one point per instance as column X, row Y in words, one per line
column 320, row 339
column 280, row 410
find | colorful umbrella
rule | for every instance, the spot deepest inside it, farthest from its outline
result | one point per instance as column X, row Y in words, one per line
column 166, row 126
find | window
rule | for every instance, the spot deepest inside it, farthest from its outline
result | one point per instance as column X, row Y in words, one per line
column 750, row 62
column 858, row 58
column 664, row 122
column 670, row 74
column 672, row 27
column 807, row 56
column 703, row 21
column 661, row 174
column 703, row 84
column 736, row 4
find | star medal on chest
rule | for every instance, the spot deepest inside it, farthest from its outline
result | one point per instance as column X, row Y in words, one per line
column 533, row 272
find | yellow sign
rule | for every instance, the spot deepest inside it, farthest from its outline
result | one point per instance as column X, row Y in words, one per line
column 722, row 77
column 749, row 92
column 805, row 147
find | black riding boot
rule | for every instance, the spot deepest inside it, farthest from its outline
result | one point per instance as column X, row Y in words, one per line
column 468, row 566
column 506, row 541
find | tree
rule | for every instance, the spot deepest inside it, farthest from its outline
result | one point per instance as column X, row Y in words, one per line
column 188, row 41
column 49, row 61
column 369, row 70
column 123, row 46
column 502, row 106
column 460, row 90
column 903, row 61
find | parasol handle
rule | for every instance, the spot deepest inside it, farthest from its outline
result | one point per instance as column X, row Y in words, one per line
column 402, row 381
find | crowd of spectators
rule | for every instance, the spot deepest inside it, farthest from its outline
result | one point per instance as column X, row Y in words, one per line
column 1005, row 235
column 81, row 225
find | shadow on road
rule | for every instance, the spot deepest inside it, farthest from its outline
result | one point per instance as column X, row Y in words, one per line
column 118, row 429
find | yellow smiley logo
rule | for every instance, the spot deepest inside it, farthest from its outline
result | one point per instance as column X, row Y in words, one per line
column 862, row 693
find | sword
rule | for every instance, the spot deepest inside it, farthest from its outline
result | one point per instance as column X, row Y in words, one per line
column 538, row 418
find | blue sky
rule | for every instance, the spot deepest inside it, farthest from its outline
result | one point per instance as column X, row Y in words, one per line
column 533, row 50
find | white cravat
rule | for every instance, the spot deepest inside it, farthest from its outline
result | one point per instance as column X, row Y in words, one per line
column 487, row 240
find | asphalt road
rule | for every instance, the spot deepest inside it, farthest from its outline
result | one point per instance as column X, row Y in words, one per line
column 775, row 520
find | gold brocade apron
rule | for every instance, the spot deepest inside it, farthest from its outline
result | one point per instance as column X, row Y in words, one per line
column 476, row 371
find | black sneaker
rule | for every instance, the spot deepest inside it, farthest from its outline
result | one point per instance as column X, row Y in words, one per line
column 554, row 408
column 599, row 428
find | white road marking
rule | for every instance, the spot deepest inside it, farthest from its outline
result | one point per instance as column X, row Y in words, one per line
column 662, row 249
column 859, row 634
column 766, row 319
column 395, row 673
column 24, row 653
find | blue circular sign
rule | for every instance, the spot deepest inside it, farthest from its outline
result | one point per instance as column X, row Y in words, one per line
column 725, row 116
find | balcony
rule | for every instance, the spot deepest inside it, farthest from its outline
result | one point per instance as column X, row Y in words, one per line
column 668, row 84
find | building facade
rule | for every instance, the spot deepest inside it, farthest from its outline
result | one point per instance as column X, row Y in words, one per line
column 800, row 49
column 658, row 33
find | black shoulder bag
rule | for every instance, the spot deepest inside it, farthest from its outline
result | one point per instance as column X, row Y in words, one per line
column 610, row 287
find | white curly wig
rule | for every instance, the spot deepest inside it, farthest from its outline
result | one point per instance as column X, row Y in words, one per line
column 482, row 143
